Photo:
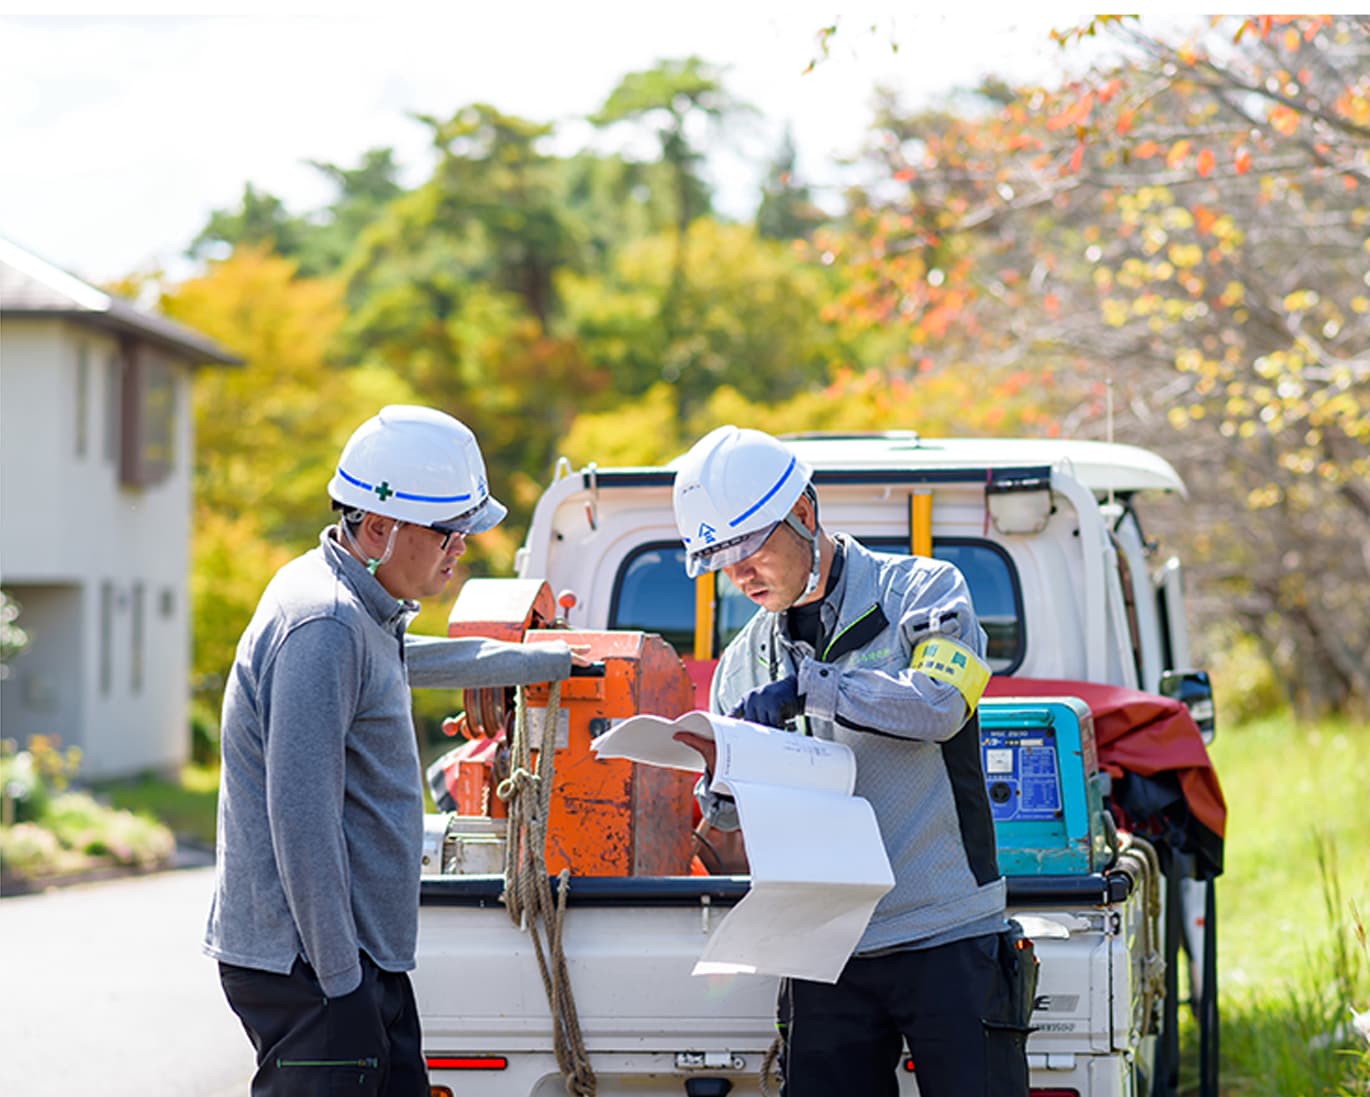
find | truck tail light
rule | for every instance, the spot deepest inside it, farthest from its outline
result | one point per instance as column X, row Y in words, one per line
column 466, row 1062
column 440, row 1091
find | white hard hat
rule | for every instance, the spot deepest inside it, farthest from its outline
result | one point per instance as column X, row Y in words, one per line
column 418, row 465
column 731, row 490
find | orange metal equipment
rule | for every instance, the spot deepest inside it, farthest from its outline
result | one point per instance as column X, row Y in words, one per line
column 609, row 817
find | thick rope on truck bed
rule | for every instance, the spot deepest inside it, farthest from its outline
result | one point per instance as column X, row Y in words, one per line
column 528, row 893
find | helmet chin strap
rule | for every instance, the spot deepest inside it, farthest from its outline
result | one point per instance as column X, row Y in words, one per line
column 373, row 563
column 812, row 538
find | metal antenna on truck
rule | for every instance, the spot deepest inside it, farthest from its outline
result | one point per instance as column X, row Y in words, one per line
column 1108, row 423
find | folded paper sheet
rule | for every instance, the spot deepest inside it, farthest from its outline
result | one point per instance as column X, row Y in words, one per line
column 818, row 864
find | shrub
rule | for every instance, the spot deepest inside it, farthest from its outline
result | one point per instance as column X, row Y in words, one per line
column 29, row 777
column 204, row 735
column 26, row 848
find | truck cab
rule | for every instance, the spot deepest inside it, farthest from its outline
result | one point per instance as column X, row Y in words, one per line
column 1046, row 532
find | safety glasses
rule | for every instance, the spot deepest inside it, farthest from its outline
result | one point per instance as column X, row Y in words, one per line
column 447, row 533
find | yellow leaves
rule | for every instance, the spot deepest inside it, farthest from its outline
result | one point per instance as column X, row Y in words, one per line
column 1234, row 293
column 1115, row 313
column 1300, row 300
column 1263, row 498
column 1185, row 256
column 1354, row 105
column 1284, row 120
column 1177, row 217
column 1360, row 305
column 1188, row 360
column 1175, row 157
column 1178, row 418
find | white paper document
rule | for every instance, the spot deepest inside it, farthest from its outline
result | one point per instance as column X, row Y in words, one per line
column 818, row 864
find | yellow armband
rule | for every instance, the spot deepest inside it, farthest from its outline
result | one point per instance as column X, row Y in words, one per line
column 947, row 661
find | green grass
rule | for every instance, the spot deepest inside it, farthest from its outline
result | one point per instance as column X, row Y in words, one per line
column 187, row 805
column 1293, row 904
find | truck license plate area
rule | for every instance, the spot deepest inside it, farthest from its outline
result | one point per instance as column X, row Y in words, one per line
column 708, row 1060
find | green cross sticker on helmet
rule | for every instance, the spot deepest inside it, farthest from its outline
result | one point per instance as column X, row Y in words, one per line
column 417, row 465
column 731, row 490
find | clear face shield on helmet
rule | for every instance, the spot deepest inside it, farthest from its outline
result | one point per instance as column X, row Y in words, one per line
column 727, row 553
column 486, row 514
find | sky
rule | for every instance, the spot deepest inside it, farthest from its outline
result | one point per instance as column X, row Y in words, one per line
column 120, row 134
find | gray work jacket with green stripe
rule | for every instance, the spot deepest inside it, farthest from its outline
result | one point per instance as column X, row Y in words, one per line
column 917, row 752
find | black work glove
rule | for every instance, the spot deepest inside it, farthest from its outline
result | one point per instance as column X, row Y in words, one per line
column 771, row 704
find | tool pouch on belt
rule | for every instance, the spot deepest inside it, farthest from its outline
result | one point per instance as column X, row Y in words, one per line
column 1019, row 958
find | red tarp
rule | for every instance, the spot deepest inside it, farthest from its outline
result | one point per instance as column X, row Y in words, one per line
column 1141, row 733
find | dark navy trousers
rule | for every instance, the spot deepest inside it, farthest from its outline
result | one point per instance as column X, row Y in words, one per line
column 365, row 1043
column 953, row 1004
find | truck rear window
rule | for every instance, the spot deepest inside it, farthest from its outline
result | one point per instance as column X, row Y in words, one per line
column 653, row 594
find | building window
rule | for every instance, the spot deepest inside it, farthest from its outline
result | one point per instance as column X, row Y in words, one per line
column 82, row 398
column 139, row 639
column 166, row 603
column 147, row 420
column 114, row 399
column 106, row 637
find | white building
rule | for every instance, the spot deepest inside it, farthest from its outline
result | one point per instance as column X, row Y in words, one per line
column 96, row 445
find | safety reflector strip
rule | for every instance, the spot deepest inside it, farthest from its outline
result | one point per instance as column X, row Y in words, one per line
column 467, row 1062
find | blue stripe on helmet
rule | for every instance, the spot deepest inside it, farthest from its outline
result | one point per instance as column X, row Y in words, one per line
column 762, row 501
column 354, row 481
column 432, row 498
column 408, row 495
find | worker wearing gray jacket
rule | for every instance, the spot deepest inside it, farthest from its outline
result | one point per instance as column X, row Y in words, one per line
column 315, row 909
column 885, row 654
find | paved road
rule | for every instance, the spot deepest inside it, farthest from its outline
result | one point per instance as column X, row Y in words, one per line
column 104, row 990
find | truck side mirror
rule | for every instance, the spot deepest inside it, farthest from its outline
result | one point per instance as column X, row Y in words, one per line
column 1195, row 691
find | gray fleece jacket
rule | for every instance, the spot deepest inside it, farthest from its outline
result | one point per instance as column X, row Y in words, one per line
column 917, row 749
column 321, row 795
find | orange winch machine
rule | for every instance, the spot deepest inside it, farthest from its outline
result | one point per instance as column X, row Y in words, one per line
column 609, row 817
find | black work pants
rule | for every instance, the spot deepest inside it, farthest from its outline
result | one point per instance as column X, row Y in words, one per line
column 365, row 1043
column 953, row 1004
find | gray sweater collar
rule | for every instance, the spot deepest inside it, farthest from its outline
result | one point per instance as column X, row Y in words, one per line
column 388, row 611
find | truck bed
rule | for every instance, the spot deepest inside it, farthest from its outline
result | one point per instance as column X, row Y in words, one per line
column 649, row 1025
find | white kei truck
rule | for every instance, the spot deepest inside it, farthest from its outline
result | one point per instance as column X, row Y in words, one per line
column 1108, row 814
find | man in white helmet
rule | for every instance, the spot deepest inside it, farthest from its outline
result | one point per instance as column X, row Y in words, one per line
column 883, row 653
column 315, row 909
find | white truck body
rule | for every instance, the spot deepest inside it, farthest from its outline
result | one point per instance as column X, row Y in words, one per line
column 1069, row 593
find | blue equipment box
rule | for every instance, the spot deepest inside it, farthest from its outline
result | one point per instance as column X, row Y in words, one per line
column 1042, row 775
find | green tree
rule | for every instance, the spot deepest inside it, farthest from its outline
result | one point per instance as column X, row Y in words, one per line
column 260, row 220
column 787, row 210
column 363, row 193
column 677, row 97
column 751, row 315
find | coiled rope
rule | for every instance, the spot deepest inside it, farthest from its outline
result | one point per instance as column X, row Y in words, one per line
column 771, row 1080
column 528, row 892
